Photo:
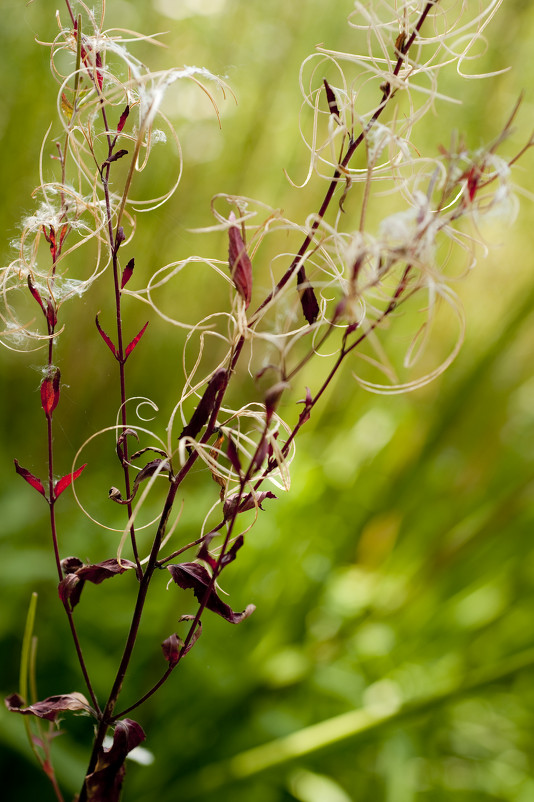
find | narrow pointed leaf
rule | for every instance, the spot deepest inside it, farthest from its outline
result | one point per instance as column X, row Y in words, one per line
column 134, row 342
column 66, row 480
column 30, row 478
column 239, row 262
column 106, row 339
column 233, row 455
column 331, row 99
column 123, row 118
column 205, row 406
column 196, row 577
column 127, row 273
column 231, row 553
column 35, row 292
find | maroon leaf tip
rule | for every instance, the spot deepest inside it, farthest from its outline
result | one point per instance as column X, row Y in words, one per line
column 30, row 478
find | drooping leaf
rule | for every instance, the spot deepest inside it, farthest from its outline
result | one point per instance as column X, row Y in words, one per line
column 127, row 273
column 134, row 342
column 66, row 480
column 239, row 262
column 35, row 292
column 76, row 574
column 105, row 782
column 50, row 391
column 205, row 406
column 30, row 478
column 51, row 707
column 244, row 503
column 106, row 339
column 196, row 577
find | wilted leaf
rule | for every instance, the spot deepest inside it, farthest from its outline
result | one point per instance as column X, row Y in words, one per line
column 196, row 577
column 76, row 574
column 244, row 503
column 49, row 708
column 105, row 783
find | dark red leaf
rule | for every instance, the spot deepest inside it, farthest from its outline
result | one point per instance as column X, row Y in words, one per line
column 134, row 342
column 331, row 98
column 231, row 554
column 70, row 588
column 50, row 391
column 204, row 552
column 205, row 406
column 127, row 273
column 51, row 314
column 196, row 577
column 97, row 572
column 123, row 118
column 106, row 339
column 99, row 73
column 49, row 708
column 66, row 480
column 105, row 783
column 35, row 292
column 233, row 455
column 239, row 262
column 244, row 503
column 30, row 478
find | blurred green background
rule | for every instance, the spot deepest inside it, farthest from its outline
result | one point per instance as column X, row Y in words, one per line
column 397, row 577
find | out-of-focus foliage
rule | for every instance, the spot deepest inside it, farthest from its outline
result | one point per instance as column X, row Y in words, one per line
column 401, row 560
